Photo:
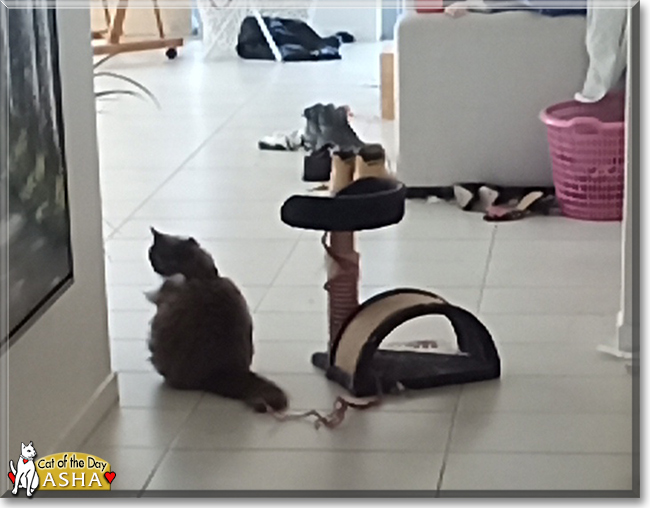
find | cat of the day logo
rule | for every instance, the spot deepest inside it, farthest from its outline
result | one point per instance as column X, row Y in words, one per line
column 59, row 472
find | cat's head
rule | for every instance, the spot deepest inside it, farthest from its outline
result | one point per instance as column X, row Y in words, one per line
column 28, row 451
column 171, row 255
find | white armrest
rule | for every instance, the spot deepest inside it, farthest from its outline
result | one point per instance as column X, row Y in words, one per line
column 470, row 91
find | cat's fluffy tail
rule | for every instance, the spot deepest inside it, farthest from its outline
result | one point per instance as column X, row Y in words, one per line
column 259, row 393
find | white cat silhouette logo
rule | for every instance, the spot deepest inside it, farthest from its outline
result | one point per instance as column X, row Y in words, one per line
column 24, row 476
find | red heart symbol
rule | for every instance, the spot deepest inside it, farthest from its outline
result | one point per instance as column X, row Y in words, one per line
column 25, row 461
column 12, row 477
column 110, row 476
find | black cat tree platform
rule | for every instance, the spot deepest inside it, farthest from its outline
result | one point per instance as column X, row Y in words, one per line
column 354, row 358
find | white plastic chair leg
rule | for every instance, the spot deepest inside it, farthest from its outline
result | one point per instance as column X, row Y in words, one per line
column 267, row 36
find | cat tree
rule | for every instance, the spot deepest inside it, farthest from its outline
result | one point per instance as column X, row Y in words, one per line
column 356, row 331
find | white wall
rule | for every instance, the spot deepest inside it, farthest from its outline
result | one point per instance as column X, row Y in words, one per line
column 363, row 23
column 628, row 320
column 59, row 370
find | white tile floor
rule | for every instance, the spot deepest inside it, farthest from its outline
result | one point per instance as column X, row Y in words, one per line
column 547, row 288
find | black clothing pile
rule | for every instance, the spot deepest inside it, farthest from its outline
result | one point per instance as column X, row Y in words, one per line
column 295, row 39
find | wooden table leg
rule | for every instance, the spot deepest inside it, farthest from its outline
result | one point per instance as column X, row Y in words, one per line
column 118, row 22
column 107, row 14
column 156, row 11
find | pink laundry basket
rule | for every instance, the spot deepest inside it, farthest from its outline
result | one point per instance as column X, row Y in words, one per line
column 587, row 146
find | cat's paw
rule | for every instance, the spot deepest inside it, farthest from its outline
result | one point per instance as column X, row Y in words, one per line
column 259, row 406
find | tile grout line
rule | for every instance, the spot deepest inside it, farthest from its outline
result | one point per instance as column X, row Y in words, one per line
column 379, row 450
column 116, row 404
column 487, row 269
column 318, row 374
column 109, row 224
column 168, row 448
column 448, row 444
column 376, row 286
column 183, row 164
column 268, row 287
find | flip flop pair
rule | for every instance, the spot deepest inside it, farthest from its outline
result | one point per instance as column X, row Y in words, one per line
column 500, row 204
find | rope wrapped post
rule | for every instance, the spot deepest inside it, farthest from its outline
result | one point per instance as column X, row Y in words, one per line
column 342, row 283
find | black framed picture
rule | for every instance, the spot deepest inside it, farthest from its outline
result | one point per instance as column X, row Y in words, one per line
column 36, row 219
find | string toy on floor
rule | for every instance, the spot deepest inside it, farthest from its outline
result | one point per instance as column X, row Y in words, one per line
column 331, row 420
column 365, row 196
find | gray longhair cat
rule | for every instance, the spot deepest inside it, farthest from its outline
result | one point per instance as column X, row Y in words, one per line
column 202, row 332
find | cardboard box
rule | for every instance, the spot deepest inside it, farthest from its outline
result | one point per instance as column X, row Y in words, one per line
column 387, row 84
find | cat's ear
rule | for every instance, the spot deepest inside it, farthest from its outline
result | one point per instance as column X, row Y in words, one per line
column 192, row 241
column 152, row 296
column 156, row 234
column 30, row 444
column 22, row 445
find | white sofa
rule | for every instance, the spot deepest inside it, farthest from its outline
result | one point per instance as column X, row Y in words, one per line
column 469, row 93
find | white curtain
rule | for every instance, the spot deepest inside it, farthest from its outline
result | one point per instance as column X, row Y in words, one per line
column 607, row 47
